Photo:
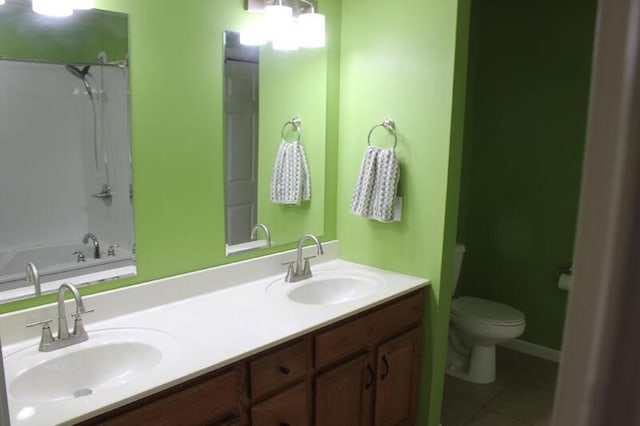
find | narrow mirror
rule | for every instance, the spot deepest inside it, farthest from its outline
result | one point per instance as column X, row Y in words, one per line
column 265, row 93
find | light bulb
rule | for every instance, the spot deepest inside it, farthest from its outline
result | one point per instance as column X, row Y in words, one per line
column 286, row 38
column 311, row 31
column 277, row 19
column 1, row 1
column 57, row 8
column 254, row 34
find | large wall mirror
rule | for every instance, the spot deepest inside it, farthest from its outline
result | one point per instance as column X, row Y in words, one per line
column 264, row 91
column 65, row 165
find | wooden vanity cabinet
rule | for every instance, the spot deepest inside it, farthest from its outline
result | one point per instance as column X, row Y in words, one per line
column 279, row 385
column 290, row 407
column 361, row 371
column 372, row 366
column 212, row 399
column 398, row 365
column 344, row 394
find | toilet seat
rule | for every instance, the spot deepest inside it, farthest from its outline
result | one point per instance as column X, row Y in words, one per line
column 486, row 311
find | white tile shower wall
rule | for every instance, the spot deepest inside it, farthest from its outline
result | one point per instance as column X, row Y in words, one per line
column 111, row 224
column 40, row 156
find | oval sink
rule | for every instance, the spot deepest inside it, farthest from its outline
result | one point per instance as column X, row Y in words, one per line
column 110, row 358
column 334, row 288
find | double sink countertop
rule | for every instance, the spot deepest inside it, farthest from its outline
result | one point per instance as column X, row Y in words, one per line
column 200, row 321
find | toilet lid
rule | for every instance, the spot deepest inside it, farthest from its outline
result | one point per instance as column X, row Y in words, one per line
column 478, row 309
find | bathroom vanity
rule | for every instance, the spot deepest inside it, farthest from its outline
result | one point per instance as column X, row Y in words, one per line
column 232, row 345
column 360, row 369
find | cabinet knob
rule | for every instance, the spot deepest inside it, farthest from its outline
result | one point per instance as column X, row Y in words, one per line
column 284, row 424
column 284, row 370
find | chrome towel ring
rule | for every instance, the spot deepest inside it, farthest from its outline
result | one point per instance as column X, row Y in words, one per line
column 295, row 122
column 390, row 126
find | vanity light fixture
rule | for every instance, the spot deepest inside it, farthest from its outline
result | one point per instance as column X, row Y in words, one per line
column 280, row 26
column 312, row 32
column 82, row 4
column 286, row 24
column 254, row 34
column 57, row 8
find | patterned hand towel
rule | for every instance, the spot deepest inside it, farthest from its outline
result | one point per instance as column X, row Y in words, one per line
column 290, row 181
column 375, row 191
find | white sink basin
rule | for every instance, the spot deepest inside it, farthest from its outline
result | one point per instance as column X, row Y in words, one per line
column 327, row 288
column 110, row 358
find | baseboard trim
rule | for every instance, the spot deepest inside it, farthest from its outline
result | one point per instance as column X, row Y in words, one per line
column 532, row 349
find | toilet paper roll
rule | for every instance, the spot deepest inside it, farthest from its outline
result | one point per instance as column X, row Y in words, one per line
column 564, row 282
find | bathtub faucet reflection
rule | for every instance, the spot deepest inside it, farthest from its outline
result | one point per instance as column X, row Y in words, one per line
column 96, row 245
column 33, row 276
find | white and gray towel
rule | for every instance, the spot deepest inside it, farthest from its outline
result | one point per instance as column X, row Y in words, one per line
column 290, row 181
column 375, row 192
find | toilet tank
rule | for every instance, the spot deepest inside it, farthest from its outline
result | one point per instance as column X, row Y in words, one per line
column 457, row 265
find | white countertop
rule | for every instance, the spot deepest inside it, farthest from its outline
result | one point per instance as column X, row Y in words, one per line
column 216, row 316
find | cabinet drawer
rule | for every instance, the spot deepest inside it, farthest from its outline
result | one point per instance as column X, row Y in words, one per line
column 210, row 401
column 355, row 335
column 287, row 408
column 279, row 369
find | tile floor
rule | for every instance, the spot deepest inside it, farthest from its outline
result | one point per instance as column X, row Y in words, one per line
column 521, row 395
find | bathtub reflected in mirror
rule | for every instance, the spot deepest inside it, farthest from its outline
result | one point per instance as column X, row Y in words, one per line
column 66, row 200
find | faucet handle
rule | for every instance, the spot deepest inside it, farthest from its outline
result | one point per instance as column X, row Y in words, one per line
column 307, row 268
column 291, row 272
column 47, row 337
column 112, row 249
column 45, row 323
column 80, row 255
column 86, row 311
column 78, row 326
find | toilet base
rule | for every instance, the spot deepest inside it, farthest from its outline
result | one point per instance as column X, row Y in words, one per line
column 481, row 367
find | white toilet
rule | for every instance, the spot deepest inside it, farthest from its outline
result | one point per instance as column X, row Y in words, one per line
column 476, row 325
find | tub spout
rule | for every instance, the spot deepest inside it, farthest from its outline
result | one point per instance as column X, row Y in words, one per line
column 34, row 276
column 96, row 244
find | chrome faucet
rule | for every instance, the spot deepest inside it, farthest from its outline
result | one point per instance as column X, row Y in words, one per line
column 48, row 342
column 267, row 234
column 34, row 276
column 96, row 244
column 302, row 270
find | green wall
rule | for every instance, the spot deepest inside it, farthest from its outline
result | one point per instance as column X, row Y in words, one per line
column 177, row 137
column 292, row 84
column 526, row 122
column 398, row 62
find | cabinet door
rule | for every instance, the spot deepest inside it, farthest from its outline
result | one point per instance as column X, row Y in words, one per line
column 286, row 408
column 396, row 386
column 344, row 394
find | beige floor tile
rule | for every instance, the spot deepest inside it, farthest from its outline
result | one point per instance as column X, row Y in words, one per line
column 522, row 394
column 529, row 403
column 524, row 368
column 491, row 418
column 462, row 400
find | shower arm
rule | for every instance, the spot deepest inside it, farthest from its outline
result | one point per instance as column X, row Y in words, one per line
column 313, row 9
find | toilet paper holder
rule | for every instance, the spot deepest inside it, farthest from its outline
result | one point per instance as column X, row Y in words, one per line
column 566, row 269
